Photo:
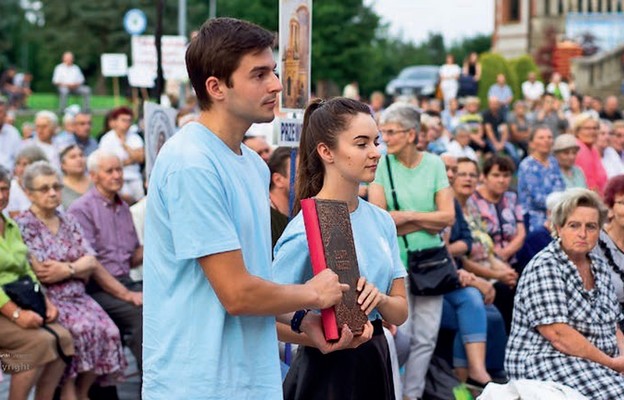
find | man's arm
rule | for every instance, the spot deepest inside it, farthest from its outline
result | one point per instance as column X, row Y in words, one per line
column 137, row 257
column 242, row 293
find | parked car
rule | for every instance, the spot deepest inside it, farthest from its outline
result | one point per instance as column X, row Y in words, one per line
column 418, row 80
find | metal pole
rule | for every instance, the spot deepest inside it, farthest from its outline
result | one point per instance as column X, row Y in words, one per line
column 182, row 32
column 213, row 9
column 160, row 6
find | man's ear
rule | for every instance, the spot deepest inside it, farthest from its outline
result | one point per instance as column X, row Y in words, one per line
column 325, row 153
column 214, row 88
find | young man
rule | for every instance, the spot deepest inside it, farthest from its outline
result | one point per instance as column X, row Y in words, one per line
column 209, row 325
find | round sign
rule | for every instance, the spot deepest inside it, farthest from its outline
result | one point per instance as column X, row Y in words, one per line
column 135, row 21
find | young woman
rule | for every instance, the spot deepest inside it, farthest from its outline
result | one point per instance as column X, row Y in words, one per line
column 338, row 150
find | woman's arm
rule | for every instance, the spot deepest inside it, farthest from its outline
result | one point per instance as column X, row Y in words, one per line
column 393, row 306
column 51, row 271
column 514, row 245
column 286, row 335
column 571, row 342
column 432, row 222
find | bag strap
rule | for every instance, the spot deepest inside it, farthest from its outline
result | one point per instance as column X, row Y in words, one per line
column 609, row 256
column 394, row 196
column 66, row 359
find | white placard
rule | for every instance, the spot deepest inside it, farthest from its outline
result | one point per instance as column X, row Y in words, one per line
column 159, row 127
column 173, row 53
column 114, row 64
column 290, row 132
column 140, row 77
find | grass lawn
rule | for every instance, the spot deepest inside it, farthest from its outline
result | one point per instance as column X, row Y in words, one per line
column 49, row 101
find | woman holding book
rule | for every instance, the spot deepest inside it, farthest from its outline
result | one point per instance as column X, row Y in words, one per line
column 338, row 151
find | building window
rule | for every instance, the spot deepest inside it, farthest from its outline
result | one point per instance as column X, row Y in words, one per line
column 511, row 11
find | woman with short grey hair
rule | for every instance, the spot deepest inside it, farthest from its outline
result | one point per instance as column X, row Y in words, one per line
column 64, row 261
column 566, row 314
column 422, row 208
column 18, row 201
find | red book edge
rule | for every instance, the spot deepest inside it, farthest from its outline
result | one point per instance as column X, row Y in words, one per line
column 317, row 257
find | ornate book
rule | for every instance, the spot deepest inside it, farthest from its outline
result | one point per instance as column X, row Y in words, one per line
column 330, row 240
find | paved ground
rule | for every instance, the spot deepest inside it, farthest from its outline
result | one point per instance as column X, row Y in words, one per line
column 127, row 390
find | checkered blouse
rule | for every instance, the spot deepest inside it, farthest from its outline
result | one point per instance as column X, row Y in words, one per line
column 551, row 291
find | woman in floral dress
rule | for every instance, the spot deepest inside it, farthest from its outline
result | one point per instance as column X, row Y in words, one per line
column 63, row 260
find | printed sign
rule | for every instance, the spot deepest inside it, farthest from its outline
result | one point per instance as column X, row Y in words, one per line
column 173, row 55
column 159, row 127
column 290, row 132
column 114, row 64
column 295, row 33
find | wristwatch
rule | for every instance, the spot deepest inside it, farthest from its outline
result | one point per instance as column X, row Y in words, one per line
column 295, row 322
column 16, row 314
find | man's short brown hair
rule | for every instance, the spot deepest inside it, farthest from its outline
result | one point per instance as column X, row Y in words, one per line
column 218, row 49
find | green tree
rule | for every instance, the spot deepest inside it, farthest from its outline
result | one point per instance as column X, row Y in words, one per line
column 523, row 65
column 493, row 64
column 13, row 28
column 88, row 29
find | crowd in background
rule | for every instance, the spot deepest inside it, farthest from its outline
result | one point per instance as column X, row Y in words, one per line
column 482, row 181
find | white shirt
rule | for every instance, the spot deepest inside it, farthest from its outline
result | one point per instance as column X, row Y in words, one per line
column 10, row 144
column 455, row 149
column 18, row 201
column 564, row 89
column 111, row 142
column 67, row 75
column 450, row 71
column 612, row 162
column 532, row 91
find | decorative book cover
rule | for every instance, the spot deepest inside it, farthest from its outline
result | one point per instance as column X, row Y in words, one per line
column 330, row 240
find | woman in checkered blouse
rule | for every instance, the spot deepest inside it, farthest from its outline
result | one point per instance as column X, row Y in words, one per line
column 566, row 312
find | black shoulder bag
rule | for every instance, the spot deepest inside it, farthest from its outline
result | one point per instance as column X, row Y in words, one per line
column 27, row 294
column 431, row 271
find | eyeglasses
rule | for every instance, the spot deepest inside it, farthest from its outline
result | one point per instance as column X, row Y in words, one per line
column 57, row 187
column 392, row 132
column 467, row 175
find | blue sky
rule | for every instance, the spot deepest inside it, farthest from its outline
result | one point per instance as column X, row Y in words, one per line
column 455, row 19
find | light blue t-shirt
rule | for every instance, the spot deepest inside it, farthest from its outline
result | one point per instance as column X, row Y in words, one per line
column 374, row 235
column 204, row 199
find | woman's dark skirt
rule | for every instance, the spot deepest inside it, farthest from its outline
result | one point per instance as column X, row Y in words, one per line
column 354, row 374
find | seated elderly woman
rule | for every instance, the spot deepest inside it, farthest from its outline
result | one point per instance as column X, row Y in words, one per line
column 29, row 353
column 18, row 201
column 76, row 182
column 63, row 260
column 566, row 314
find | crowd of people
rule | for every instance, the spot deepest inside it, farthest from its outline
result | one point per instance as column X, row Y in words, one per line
column 526, row 198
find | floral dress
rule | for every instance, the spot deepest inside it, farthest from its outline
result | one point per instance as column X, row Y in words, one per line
column 535, row 183
column 96, row 337
column 482, row 243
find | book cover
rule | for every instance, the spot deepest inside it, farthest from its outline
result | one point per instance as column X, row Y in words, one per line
column 330, row 240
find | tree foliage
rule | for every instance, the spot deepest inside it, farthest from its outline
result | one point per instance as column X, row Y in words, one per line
column 349, row 42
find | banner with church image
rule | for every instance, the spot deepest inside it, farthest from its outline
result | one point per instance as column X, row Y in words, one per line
column 295, row 48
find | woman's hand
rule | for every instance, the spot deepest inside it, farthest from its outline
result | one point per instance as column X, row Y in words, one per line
column 313, row 328
column 504, row 273
column 370, row 297
column 487, row 290
column 29, row 320
column 465, row 278
column 50, row 271
column 51, row 311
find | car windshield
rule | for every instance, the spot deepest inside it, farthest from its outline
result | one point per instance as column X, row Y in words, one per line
column 419, row 73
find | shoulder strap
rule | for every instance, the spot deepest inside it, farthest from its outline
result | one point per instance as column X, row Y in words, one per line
column 66, row 359
column 394, row 196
